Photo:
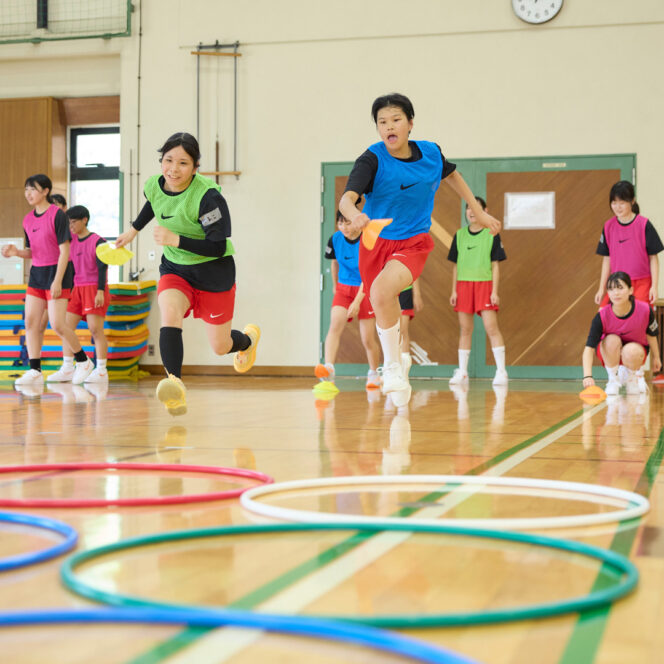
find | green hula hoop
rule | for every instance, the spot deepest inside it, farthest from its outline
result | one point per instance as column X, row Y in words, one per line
column 616, row 564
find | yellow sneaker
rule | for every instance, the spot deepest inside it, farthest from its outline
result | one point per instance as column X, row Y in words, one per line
column 172, row 393
column 244, row 359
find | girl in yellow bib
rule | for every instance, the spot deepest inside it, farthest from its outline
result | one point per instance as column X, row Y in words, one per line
column 197, row 267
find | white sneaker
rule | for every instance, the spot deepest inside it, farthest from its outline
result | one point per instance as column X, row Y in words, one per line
column 396, row 385
column 623, row 374
column 632, row 383
column 373, row 380
column 643, row 386
column 63, row 375
column 612, row 387
column 82, row 371
column 30, row 377
column 500, row 378
column 459, row 378
column 406, row 363
column 99, row 375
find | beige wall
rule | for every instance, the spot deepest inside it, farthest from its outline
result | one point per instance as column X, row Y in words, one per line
column 483, row 83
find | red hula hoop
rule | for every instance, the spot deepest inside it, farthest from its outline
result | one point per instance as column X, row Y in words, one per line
column 132, row 502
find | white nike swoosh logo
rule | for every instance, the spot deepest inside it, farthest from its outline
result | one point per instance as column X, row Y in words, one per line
column 216, row 315
column 404, row 255
column 88, row 309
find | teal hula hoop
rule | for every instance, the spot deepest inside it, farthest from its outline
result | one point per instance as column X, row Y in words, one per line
column 617, row 565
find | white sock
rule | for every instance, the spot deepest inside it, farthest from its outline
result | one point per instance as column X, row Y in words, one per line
column 67, row 362
column 612, row 372
column 464, row 356
column 390, row 341
column 499, row 356
column 101, row 364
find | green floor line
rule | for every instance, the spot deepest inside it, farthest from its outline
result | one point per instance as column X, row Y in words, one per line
column 589, row 629
column 191, row 634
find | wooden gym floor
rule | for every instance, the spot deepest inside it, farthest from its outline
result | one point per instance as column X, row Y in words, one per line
column 276, row 425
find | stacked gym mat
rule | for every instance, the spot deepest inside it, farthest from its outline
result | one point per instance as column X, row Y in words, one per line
column 124, row 325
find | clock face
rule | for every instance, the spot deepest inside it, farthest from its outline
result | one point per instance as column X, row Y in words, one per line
column 536, row 11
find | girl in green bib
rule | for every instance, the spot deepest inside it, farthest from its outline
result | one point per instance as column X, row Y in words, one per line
column 476, row 254
column 197, row 271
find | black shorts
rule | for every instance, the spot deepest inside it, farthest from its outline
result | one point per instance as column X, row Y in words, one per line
column 41, row 276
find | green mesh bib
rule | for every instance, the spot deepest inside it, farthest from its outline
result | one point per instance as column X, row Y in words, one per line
column 474, row 260
column 180, row 215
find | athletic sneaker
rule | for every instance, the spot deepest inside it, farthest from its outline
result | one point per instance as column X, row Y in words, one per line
column 30, row 377
column 632, row 383
column 643, row 386
column 244, row 359
column 500, row 378
column 373, row 380
column 63, row 375
column 406, row 363
column 325, row 372
column 612, row 386
column 82, row 371
column 459, row 378
column 396, row 385
column 99, row 375
column 172, row 393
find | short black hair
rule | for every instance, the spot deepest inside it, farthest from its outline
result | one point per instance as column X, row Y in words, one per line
column 78, row 212
column 393, row 99
column 59, row 199
column 481, row 201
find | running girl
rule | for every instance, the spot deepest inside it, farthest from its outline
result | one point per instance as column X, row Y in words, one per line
column 197, row 267
column 399, row 178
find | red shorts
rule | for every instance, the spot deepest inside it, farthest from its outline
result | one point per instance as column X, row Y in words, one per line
column 474, row 297
column 412, row 252
column 215, row 308
column 344, row 296
column 82, row 301
column 601, row 359
column 641, row 291
column 45, row 293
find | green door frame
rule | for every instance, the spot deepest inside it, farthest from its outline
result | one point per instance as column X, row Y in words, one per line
column 474, row 172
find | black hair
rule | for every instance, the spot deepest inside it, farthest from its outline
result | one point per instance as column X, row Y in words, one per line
column 43, row 181
column 393, row 99
column 624, row 191
column 481, row 201
column 78, row 212
column 59, row 199
column 616, row 277
column 189, row 145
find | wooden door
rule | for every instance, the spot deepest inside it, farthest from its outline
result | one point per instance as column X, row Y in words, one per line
column 546, row 285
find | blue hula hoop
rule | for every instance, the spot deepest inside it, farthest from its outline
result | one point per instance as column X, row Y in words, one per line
column 369, row 637
column 25, row 559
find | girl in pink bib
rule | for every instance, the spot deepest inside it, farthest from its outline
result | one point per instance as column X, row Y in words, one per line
column 51, row 277
column 622, row 334
column 629, row 243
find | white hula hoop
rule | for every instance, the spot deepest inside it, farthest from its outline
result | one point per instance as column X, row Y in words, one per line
column 595, row 493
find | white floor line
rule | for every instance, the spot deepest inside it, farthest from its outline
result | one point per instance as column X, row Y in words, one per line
column 219, row 645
